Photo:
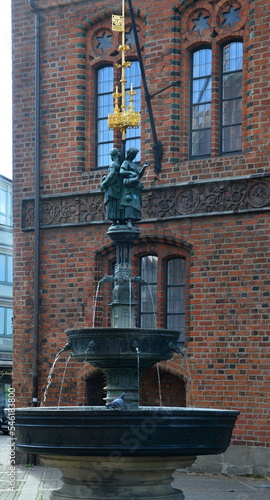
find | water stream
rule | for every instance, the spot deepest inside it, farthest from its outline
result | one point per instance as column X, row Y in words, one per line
column 130, row 304
column 185, row 361
column 95, row 303
column 138, row 367
column 84, row 385
column 159, row 386
column 86, row 362
column 153, row 304
column 63, row 377
column 49, row 379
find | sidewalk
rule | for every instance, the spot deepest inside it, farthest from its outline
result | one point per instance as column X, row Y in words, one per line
column 31, row 483
column 35, row 483
column 220, row 487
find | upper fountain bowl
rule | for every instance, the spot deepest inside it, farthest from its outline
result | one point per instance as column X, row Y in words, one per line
column 119, row 347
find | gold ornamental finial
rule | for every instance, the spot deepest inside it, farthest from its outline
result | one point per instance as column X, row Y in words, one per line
column 123, row 117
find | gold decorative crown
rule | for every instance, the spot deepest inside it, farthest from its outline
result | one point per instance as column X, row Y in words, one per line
column 123, row 117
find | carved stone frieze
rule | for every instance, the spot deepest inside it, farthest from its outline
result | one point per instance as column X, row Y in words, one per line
column 64, row 210
column 186, row 200
column 207, row 198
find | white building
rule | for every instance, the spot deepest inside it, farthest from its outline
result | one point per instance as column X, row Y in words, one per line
column 5, row 287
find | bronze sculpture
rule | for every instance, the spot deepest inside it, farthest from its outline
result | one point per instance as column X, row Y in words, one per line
column 123, row 189
column 111, row 185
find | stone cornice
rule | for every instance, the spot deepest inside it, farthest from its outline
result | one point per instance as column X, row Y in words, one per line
column 49, row 4
column 218, row 197
column 96, row 17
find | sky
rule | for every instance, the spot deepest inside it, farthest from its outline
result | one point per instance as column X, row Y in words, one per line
column 5, row 91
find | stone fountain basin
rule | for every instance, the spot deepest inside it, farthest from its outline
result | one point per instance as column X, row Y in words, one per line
column 109, row 347
column 148, row 431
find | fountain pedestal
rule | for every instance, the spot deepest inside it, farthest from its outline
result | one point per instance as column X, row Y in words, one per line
column 123, row 304
column 125, row 381
column 117, row 477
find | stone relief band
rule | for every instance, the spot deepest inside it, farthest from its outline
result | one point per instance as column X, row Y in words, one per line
column 186, row 200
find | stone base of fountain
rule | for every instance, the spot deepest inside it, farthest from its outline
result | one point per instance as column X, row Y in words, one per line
column 116, row 477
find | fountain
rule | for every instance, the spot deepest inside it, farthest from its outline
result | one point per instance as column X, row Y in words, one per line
column 129, row 453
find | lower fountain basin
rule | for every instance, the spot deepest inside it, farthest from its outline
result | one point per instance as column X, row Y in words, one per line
column 148, row 431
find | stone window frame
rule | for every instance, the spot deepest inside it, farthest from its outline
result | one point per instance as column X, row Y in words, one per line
column 215, row 37
column 216, row 77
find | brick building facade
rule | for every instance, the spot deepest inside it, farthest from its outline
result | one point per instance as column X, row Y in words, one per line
column 208, row 206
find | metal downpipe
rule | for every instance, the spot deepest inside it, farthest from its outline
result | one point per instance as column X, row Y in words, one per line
column 37, row 207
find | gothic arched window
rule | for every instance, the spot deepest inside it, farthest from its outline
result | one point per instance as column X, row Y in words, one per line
column 148, row 292
column 176, row 295
column 105, row 78
column 231, row 97
column 172, row 300
column 201, row 102
column 133, row 76
column 104, row 136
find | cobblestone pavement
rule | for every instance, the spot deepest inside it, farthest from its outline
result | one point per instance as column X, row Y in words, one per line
column 221, row 487
column 35, row 483
column 31, row 483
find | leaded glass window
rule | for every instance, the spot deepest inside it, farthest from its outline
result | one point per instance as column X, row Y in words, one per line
column 231, row 115
column 104, row 107
column 148, row 292
column 175, row 295
column 201, row 102
column 105, row 104
column 133, row 76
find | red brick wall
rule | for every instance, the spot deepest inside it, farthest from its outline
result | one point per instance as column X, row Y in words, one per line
column 160, row 388
column 227, row 350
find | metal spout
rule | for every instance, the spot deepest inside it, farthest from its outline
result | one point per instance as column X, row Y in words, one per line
column 67, row 347
column 175, row 348
column 108, row 279
column 139, row 279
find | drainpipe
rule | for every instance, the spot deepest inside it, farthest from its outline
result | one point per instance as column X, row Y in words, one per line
column 34, row 8
column 158, row 146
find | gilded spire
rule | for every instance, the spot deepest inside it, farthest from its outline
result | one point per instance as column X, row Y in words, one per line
column 123, row 117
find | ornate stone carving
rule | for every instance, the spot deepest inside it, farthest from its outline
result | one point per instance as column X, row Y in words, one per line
column 65, row 210
column 219, row 19
column 189, row 200
column 208, row 198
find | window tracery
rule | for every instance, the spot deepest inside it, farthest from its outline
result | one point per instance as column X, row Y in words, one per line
column 215, row 115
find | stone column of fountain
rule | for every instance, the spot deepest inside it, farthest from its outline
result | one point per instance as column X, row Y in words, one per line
column 128, row 454
column 123, row 378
